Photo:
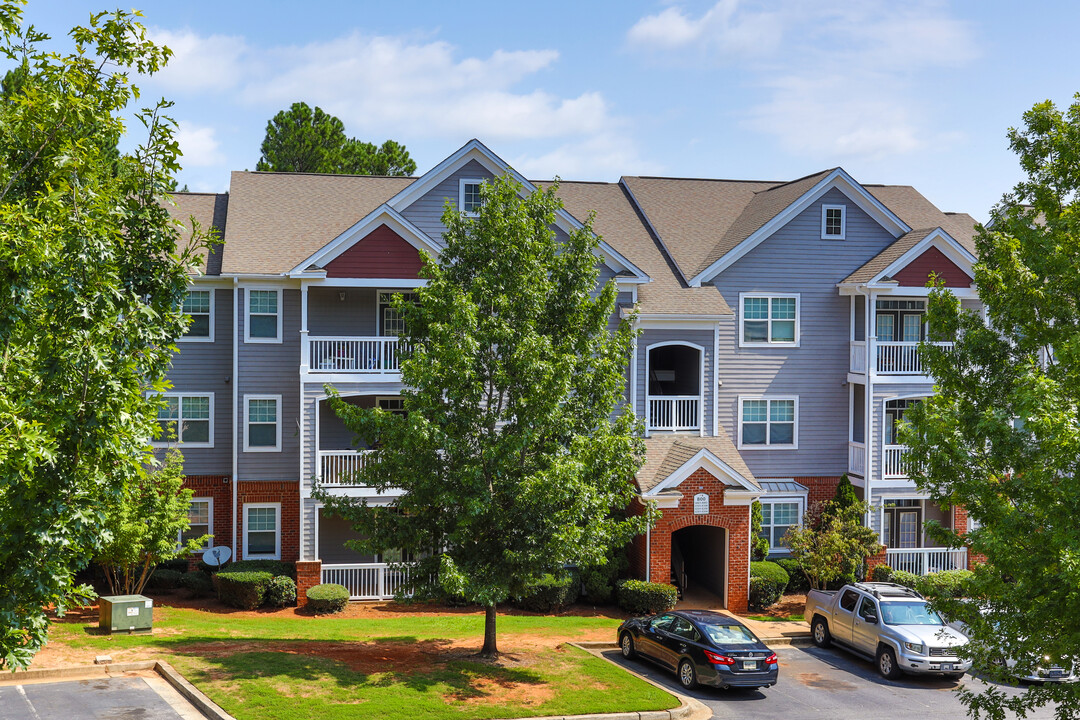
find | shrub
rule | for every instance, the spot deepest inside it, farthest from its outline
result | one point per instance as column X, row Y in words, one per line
column 906, row 579
column 640, row 597
column 281, row 592
column 180, row 565
column 328, row 598
column 599, row 581
column 797, row 580
column 164, row 579
column 767, row 583
column 882, row 573
column 274, row 567
column 245, row 590
column 946, row 584
column 197, row 583
column 551, row 593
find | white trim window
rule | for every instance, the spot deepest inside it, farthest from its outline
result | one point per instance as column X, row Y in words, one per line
column 469, row 196
column 769, row 423
column 201, row 521
column 262, row 423
column 199, row 305
column 778, row 515
column 262, row 315
column 833, row 222
column 393, row 404
column 262, row 531
column 186, row 418
column 768, row 319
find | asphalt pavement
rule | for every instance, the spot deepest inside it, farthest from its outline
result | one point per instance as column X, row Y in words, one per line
column 115, row 698
column 831, row 684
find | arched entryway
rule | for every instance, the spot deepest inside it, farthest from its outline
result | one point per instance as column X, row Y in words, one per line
column 699, row 562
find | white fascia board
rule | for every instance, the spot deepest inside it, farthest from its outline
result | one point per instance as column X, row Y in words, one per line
column 836, row 179
column 666, row 501
column 705, row 459
column 382, row 215
column 208, row 281
column 944, row 242
column 741, row 497
column 679, row 322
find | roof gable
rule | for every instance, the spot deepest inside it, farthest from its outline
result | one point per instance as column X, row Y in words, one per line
column 772, row 209
column 704, row 459
column 381, row 254
column 898, row 256
column 932, row 262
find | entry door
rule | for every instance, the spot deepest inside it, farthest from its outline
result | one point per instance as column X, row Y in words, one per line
column 907, row 535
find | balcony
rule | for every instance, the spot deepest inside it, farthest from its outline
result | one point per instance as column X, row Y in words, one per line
column 922, row 561
column 901, row 357
column 892, row 465
column 377, row 355
column 857, row 458
column 674, row 412
column 338, row 468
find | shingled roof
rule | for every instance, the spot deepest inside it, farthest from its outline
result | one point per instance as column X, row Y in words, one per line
column 668, row 453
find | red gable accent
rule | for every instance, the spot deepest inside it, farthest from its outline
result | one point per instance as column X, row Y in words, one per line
column 917, row 272
column 382, row 253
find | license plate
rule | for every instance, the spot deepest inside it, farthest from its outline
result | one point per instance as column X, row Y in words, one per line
column 1057, row 673
column 946, row 667
column 749, row 665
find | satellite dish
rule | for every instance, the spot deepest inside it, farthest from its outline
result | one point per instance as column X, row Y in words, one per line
column 217, row 556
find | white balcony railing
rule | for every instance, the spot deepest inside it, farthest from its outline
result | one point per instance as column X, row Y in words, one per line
column 901, row 357
column 367, row 355
column 922, row 561
column 857, row 357
column 674, row 412
column 337, row 468
column 366, row 581
column 856, row 458
column 893, row 461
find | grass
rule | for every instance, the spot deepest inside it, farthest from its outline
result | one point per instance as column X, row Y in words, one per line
column 797, row 617
column 395, row 667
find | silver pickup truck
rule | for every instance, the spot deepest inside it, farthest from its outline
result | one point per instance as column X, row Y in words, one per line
column 888, row 623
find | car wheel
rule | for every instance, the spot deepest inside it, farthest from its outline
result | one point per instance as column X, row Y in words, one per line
column 886, row 663
column 687, row 675
column 820, row 632
column 627, row 644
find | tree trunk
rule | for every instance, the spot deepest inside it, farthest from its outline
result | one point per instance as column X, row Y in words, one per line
column 489, row 650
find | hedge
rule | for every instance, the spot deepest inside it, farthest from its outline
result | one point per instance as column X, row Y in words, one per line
column 281, row 592
column 328, row 598
column 274, row 567
column 767, row 583
column 244, row 590
column 882, row 573
column 797, row 580
column 197, row 583
column 551, row 593
column 640, row 597
column 164, row 579
column 948, row 584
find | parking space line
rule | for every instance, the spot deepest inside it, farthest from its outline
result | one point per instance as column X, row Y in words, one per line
column 22, row 694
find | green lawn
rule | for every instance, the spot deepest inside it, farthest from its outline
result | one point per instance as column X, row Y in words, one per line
column 396, row 667
column 769, row 618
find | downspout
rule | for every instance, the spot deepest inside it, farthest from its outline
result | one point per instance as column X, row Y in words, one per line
column 235, row 400
column 648, row 554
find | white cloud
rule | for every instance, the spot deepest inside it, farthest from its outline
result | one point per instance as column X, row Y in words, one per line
column 200, row 64
column 198, row 145
column 840, row 77
column 600, row 157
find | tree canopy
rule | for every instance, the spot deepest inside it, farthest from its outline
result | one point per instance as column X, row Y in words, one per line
column 1001, row 437
column 92, row 285
column 516, row 453
column 304, row 140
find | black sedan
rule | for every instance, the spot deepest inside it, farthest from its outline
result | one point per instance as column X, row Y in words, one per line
column 701, row 646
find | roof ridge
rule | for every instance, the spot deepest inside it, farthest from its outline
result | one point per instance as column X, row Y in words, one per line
column 799, row 180
column 701, row 179
column 315, row 174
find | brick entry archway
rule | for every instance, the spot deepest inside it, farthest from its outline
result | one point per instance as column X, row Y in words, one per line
column 734, row 519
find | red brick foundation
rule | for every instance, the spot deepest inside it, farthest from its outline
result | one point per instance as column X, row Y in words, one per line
column 308, row 575
column 820, row 489
column 873, row 561
column 218, row 487
column 268, row 491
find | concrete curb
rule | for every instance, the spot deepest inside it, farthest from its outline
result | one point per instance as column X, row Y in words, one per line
column 82, row 672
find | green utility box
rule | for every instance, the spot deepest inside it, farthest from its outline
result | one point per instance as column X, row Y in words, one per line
column 132, row 614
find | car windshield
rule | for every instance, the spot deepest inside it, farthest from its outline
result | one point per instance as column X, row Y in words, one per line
column 729, row 634
column 908, row 613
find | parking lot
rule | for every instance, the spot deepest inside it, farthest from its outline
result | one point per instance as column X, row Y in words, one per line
column 115, row 698
column 830, row 684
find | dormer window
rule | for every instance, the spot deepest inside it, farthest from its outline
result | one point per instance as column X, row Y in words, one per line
column 469, row 200
column 833, row 219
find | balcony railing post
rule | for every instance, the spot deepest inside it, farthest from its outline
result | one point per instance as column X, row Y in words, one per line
column 367, row 355
column 674, row 412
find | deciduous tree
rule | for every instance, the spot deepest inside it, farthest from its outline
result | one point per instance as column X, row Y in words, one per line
column 515, row 448
column 1001, row 436
column 832, row 543
column 91, row 285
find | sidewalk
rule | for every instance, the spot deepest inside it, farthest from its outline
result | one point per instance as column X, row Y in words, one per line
column 780, row 632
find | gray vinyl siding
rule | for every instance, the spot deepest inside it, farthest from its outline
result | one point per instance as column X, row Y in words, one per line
column 877, row 427
column 795, row 260
column 329, row 316
column 426, row 212
column 272, row 369
column 206, row 368
column 309, row 511
column 652, row 336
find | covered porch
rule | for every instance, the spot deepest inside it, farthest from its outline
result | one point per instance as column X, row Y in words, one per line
column 901, row 525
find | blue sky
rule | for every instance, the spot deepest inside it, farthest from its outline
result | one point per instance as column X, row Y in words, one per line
column 911, row 92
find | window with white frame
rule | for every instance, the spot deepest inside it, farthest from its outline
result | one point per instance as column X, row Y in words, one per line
column 777, row 517
column 833, row 222
column 199, row 305
column 394, row 404
column 201, row 521
column 391, row 321
column 187, row 419
column 262, row 531
column 769, row 319
column 262, row 424
column 769, row 422
column 263, row 321
column 469, row 200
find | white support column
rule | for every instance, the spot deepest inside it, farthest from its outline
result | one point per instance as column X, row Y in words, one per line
column 305, row 351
